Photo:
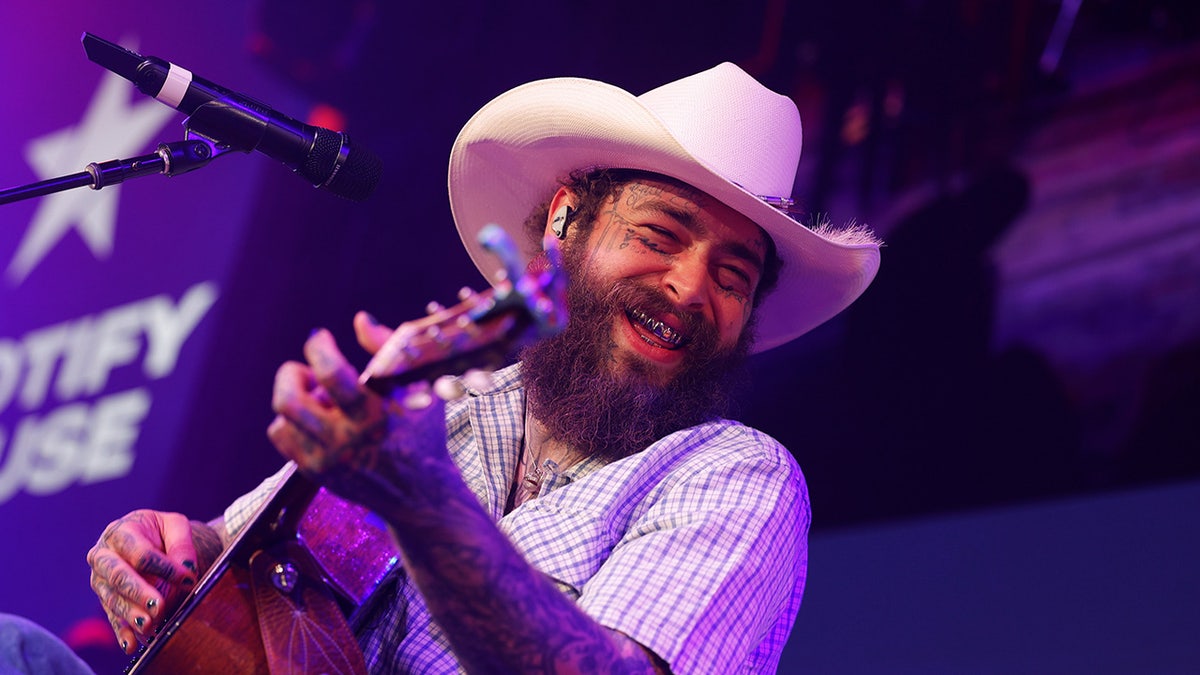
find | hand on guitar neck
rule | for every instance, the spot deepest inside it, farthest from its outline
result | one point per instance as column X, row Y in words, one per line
column 361, row 445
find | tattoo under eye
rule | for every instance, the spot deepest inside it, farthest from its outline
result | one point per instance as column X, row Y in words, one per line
column 735, row 282
column 734, row 295
column 652, row 237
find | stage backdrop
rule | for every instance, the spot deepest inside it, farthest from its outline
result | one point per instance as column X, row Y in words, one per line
column 141, row 326
column 108, row 298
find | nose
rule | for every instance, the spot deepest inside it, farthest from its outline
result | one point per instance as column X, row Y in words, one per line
column 685, row 283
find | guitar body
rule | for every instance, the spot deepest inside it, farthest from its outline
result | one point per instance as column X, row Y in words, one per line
column 279, row 599
column 220, row 635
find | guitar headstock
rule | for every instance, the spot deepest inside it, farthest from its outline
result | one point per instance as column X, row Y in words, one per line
column 482, row 329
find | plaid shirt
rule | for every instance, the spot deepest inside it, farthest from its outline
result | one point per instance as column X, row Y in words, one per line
column 695, row 547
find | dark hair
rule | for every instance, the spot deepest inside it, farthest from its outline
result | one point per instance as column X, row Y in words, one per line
column 592, row 187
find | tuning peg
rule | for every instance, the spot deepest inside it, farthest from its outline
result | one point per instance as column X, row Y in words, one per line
column 466, row 326
column 417, row 398
column 477, row 379
column 437, row 336
column 449, row 388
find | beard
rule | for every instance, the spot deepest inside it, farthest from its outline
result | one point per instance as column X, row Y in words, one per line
column 577, row 389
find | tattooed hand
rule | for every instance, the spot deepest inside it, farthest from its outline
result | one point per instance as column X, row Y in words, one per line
column 367, row 448
column 143, row 565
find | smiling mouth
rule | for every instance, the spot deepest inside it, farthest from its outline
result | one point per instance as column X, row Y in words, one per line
column 668, row 337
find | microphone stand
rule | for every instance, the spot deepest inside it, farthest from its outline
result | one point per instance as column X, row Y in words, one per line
column 169, row 159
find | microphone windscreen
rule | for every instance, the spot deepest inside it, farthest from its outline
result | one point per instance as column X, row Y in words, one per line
column 355, row 179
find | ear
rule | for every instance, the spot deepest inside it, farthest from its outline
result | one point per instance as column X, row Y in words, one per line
column 562, row 198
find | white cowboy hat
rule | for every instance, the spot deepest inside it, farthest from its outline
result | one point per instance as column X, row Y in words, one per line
column 719, row 131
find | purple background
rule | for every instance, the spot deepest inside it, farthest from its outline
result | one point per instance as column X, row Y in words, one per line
column 1028, row 351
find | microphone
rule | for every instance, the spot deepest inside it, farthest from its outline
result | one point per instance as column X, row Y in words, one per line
column 325, row 158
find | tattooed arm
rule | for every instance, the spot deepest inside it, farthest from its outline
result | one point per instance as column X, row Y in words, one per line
column 499, row 613
column 145, row 563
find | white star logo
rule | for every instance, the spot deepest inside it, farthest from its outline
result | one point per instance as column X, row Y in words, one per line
column 111, row 129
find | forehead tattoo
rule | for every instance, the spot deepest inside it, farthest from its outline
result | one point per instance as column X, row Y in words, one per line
column 678, row 198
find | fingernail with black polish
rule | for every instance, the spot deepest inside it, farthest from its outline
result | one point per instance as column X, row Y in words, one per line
column 124, row 645
column 140, row 621
column 151, row 604
column 371, row 318
column 188, row 581
column 190, row 565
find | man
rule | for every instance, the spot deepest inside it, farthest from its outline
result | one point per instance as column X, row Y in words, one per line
column 589, row 510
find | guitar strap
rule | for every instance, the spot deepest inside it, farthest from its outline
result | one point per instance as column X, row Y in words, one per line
column 303, row 628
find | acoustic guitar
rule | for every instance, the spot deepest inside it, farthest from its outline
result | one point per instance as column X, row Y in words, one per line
column 281, row 597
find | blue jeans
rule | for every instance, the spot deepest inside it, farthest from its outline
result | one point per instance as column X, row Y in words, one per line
column 26, row 647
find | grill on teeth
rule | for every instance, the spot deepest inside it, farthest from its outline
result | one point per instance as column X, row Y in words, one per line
column 660, row 329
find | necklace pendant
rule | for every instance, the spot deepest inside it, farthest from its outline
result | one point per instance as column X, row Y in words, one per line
column 532, row 482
